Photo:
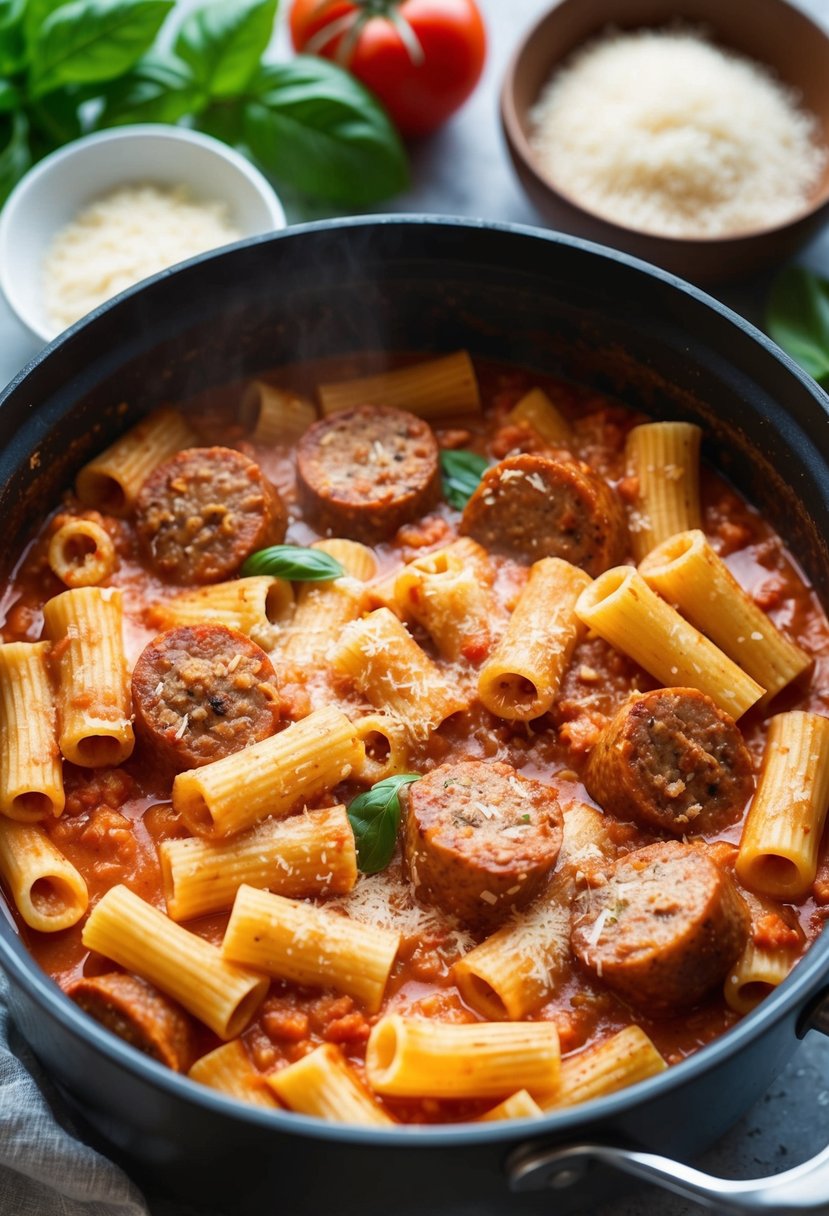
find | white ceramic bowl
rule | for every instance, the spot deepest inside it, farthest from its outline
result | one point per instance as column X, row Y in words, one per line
column 58, row 187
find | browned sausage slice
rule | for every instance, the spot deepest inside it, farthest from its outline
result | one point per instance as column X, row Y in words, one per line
column 364, row 472
column 529, row 507
column 139, row 1014
column 671, row 759
column 664, row 929
column 204, row 511
column 480, row 840
column 201, row 692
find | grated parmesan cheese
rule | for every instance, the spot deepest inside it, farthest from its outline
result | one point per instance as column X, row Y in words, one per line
column 662, row 132
column 124, row 237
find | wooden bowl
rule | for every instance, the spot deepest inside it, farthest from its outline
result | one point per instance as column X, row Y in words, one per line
column 769, row 31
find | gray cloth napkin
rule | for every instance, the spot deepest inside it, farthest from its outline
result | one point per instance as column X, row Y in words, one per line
column 45, row 1169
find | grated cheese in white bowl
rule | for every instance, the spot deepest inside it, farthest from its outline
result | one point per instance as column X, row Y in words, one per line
column 123, row 237
column 660, row 131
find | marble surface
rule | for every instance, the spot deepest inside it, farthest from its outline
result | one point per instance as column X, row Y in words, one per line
column 464, row 170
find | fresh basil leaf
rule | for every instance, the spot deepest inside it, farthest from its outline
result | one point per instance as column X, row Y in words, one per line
column 55, row 118
column 93, row 40
column 294, row 563
column 160, row 88
column 36, row 13
column 15, row 156
column 461, row 473
column 375, row 817
column 10, row 97
column 798, row 319
column 223, row 42
column 223, row 120
column 12, row 38
column 313, row 125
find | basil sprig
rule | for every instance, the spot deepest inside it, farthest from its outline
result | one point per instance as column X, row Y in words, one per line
column 71, row 66
column 461, row 473
column 798, row 319
column 294, row 563
column 375, row 817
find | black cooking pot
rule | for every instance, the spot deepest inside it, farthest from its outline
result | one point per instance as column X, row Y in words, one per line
column 406, row 283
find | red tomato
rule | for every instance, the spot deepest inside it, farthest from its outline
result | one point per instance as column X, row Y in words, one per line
column 420, row 80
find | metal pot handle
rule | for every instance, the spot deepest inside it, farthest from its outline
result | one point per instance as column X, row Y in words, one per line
column 802, row 1189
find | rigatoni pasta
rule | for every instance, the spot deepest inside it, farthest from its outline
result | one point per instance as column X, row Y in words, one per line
column 323, row 1084
column 520, row 680
column 258, row 606
column 85, row 627
column 622, row 609
column 81, row 553
column 229, row 1069
column 756, row 973
column 535, row 409
column 687, row 572
column 306, row 855
column 781, row 837
column 620, row 1061
column 663, row 458
column 275, row 415
column 31, row 776
column 111, row 481
column 49, row 892
column 442, row 593
column 430, row 390
column 131, row 932
column 295, row 941
column 322, row 609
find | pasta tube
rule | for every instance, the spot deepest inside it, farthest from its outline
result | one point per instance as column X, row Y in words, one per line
column 434, row 389
column 112, row 480
column 421, row 1058
column 663, row 457
column 384, row 662
column 687, row 572
column 386, row 743
column 255, row 606
column 537, row 410
column 143, row 940
column 778, row 852
column 442, row 593
column 756, row 973
column 322, row 609
column 298, row 942
column 275, row 415
column 94, row 701
column 520, row 1105
column 48, row 891
column 521, row 679
column 229, row 1069
column 31, row 777
column 622, row 609
column 300, row 857
column 81, row 554
column 628, row 1057
column 269, row 778
column 323, row 1084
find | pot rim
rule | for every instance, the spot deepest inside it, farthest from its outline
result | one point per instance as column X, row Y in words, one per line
column 792, row 997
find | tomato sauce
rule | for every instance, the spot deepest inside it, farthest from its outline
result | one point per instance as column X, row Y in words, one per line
column 115, row 818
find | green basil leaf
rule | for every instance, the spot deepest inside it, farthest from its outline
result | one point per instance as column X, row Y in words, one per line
column 294, row 563
column 12, row 38
column 55, row 118
column 10, row 97
column 223, row 120
column 36, row 13
column 15, row 155
column 311, row 124
column 93, row 40
column 375, row 817
column 461, row 473
column 223, row 42
column 160, row 88
column 798, row 319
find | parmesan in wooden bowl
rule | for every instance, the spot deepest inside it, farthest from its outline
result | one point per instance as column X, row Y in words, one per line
column 683, row 131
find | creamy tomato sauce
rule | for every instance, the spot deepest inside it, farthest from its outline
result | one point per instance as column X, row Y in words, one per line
column 115, row 818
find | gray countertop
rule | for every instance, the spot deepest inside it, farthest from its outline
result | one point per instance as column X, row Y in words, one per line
column 464, row 170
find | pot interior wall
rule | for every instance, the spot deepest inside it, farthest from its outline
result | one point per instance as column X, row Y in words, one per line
column 426, row 288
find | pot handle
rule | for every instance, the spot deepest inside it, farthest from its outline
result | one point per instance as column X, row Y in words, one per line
column 792, row 1193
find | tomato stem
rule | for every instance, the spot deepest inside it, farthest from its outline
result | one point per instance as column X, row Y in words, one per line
column 351, row 25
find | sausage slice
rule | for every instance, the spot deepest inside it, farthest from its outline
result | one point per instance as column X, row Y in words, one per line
column 200, row 514
column 364, row 472
column 664, row 929
column 671, row 759
column 529, row 507
column 480, row 840
column 140, row 1015
column 201, row 692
